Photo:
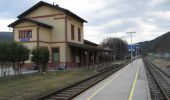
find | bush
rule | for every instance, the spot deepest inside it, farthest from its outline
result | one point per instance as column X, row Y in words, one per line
column 4, row 58
column 40, row 56
column 15, row 54
column 18, row 55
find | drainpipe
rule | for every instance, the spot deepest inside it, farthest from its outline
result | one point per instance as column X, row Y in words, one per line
column 66, row 43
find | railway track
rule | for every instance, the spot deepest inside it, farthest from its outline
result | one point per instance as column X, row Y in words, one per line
column 159, row 82
column 163, row 70
column 73, row 90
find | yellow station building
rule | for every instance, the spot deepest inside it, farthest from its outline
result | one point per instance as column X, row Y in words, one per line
column 59, row 30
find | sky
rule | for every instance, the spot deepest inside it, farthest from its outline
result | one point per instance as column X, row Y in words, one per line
column 106, row 18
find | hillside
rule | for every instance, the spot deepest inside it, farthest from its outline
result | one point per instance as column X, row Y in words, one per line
column 6, row 36
column 160, row 44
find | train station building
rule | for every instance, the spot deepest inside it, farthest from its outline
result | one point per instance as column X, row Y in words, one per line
column 62, row 32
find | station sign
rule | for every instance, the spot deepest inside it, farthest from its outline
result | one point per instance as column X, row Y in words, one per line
column 133, row 47
column 24, row 39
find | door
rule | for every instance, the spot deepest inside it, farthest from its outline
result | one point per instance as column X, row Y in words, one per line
column 55, row 55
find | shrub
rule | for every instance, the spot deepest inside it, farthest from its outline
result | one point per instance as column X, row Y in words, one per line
column 18, row 55
column 15, row 54
column 40, row 56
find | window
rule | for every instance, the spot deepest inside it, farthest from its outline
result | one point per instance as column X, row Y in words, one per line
column 79, row 34
column 25, row 34
column 72, row 32
column 55, row 54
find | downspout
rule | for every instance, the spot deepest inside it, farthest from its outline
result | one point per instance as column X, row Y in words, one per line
column 38, row 37
column 66, row 42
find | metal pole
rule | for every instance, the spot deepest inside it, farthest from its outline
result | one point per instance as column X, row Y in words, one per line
column 114, row 51
column 136, row 50
column 131, row 46
column 131, row 43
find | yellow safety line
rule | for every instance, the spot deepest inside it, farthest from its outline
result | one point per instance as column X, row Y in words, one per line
column 90, row 97
column 133, row 86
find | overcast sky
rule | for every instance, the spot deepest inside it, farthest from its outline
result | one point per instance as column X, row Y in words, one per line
column 106, row 18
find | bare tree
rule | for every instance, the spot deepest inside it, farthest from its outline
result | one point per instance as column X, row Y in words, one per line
column 118, row 45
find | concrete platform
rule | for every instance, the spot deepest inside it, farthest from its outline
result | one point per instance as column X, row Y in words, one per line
column 129, row 83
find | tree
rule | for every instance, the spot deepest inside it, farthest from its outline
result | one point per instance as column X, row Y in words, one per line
column 40, row 56
column 36, row 57
column 4, row 58
column 45, row 55
column 23, row 55
column 18, row 55
column 15, row 54
column 118, row 46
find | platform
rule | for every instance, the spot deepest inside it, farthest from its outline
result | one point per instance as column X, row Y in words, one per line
column 130, row 83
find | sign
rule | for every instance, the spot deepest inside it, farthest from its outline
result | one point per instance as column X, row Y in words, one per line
column 24, row 39
column 131, row 48
column 134, row 47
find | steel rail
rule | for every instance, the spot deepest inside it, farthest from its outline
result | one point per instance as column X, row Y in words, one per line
column 147, row 64
column 160, row 70
column 74, row 90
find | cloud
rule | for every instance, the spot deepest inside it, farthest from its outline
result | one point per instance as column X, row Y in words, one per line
column 163, row 15
column 12, row 8
column 158, row 2
column 146, row 30
column 5, row 23
column 149, row 18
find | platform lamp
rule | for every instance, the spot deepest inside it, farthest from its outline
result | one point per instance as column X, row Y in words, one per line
column 137, row 50
column 131, row 42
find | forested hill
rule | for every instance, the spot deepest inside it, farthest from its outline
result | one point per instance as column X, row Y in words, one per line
column 160, row 44
column 6, row 36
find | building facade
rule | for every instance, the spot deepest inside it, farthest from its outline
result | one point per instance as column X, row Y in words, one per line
column 59, row 30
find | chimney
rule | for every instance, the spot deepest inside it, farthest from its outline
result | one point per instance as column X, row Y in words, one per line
column 53, row 3
column 56, row 5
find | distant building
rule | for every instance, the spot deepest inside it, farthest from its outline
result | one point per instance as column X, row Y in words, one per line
column 59, row 30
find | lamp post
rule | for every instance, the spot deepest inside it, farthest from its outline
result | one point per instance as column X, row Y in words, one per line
column 114, row 51
column 131, row 42
column 137, row 50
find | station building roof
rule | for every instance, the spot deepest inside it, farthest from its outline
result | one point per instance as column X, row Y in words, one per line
column 29, row 20
column 53, row 6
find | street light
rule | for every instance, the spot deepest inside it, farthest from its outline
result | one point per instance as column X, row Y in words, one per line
column 137, row 50
column 114, row 51
column 131, row 42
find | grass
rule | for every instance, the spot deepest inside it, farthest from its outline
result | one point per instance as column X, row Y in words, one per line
column 29, row 87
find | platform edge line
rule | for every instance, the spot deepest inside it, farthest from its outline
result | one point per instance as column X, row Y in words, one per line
column 90, row 97
column 133, row 85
